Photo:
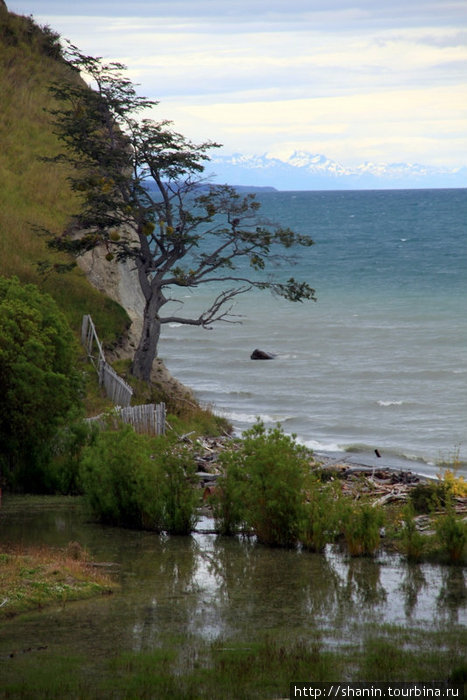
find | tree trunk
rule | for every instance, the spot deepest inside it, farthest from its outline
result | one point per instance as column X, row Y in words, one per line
column 147, row 347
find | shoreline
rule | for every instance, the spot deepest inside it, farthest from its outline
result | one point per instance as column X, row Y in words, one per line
column 370, row 460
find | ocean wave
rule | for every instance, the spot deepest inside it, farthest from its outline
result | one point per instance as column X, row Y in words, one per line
column 390, row 403
column 388, row 453
column 317, row 446
column 236, row 417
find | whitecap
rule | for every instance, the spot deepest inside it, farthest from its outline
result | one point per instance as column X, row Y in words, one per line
column 390, row 403
column 250, row 417
column 321, row 446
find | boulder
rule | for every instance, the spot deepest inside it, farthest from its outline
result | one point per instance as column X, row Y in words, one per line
column 261, row 355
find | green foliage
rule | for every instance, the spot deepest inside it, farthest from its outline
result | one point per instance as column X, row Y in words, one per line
column 361, row 528
column 24, row 33
column 451, row 531
column 67, row 449
column 39, row 383
column 429, row 496
column 32, row 191
column 229, row 507
column 178, row 490
column 263, row 488
column 320, row 518
column 141, row 482
column 414, row 543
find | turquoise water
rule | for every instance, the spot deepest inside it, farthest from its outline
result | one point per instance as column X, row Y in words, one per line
column 380, row 361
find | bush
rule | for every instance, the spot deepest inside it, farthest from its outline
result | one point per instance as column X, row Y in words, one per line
column 141, row 482
column 320, row 518
column 228, row 499
column 40, row 385
column 263, row 487
column 451, row 531
column 413, row 541
column 361, row 527
column 67, row 449
column 428, row 497
column 178, row 490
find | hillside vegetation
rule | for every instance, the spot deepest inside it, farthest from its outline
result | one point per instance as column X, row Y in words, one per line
column 34, row 193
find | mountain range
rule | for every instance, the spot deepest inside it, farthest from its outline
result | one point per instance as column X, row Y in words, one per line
column 307, row 171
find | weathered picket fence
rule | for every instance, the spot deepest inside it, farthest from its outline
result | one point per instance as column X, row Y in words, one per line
column 116, row 388
column 146, row 418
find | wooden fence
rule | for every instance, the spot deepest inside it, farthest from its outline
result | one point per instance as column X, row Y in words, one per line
column 116, row 388
column 146, row 418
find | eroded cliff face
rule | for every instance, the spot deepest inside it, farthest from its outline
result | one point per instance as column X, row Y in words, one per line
column 119, row 281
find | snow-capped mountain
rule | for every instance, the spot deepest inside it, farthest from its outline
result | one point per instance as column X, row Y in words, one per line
column 306, row 171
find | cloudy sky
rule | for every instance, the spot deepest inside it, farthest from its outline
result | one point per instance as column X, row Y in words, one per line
column 355, row 80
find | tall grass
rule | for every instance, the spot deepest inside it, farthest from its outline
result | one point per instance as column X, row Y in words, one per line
column 34, row 193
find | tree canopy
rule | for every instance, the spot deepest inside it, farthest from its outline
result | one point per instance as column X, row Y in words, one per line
column 39, row 384
column 144, row 200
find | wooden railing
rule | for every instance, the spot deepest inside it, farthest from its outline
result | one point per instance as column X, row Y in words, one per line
column 146, row 418
column 116, row 388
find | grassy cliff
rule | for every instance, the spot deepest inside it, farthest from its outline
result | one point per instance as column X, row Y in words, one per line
column 34, row 192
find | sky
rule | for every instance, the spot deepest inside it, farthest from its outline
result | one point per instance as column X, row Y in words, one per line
column 354, row 80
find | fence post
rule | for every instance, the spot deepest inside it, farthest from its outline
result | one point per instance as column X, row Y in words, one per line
column 160, row 419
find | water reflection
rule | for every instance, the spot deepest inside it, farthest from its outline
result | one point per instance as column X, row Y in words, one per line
column 412, row 583
column 452, row 595
column 207, row 587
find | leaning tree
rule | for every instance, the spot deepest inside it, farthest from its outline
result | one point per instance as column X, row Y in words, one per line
column 144, row 200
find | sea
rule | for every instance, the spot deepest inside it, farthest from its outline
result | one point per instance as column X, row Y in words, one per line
column 378, row 364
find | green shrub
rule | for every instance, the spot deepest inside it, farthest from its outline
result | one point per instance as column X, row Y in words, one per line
column 141, row 482
column 178, row 490
column 451, row 532
column 264, row 486
column 319, row 524
column 429, row 496
column 228, row 500
column 67, row 449
column 361, row 528
column 40, row 385
column 413, row 542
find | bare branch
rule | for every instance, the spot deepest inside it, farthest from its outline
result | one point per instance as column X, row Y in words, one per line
column 215, row 313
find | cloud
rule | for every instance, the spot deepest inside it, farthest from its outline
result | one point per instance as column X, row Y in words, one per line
column 250, row 72
column 395, row 125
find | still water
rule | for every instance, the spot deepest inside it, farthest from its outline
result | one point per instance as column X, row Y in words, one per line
column 205, row 587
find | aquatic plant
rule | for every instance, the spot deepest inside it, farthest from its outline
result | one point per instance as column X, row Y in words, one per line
column 320, row 517
column 361, row 528
column 138, row 481
column 413, row 542
column 451, row 532
column 264, row 486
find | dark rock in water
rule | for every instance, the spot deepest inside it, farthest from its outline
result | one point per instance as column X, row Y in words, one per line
column 261, row 355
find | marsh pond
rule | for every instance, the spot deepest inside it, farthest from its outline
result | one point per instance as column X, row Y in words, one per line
column 202, row 589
